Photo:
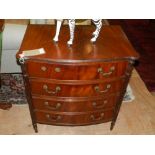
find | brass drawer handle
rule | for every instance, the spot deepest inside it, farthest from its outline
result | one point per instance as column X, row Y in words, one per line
column 43, row 68
column 57, row 69
column 93, row 118
column 99, row 106
column 57, row 89
column 100, row 70
column 54, row 118
column 56, row 107
column 97, row 89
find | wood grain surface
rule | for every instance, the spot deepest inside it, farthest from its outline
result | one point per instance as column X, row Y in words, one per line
column 112, row 44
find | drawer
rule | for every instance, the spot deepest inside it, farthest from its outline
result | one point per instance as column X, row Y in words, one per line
column 73, row 118
column 76, row 72
column 74, row 106
column 73, row 90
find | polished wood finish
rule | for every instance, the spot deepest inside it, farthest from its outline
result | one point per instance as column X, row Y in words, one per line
column 76, row 89
column 81, row 71
column 111, row 45
column 75, row 118
column 61, row 105
column 78, row 85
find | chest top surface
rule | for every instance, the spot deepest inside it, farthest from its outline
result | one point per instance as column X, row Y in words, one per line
column 112, row 44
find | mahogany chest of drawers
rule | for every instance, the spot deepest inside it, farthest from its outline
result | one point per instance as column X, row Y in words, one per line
column 79, row 85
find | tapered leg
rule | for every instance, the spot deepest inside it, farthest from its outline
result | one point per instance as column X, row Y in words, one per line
column 35, row 127
column 112, row 125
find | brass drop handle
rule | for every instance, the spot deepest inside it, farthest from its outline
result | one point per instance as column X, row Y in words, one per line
column 97, row 89
column 57, row 69
column 100, row 70
column 99, row 106
column 57, row 89
column 93, row 118
column 43, row 68
column 54, row 118
column 56, row 107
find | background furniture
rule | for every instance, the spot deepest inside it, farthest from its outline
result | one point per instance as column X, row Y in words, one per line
column 141, row 33
column 79, row 85
column 2, row 106
column 9, row 45
column 12, row 38
column 1, row 29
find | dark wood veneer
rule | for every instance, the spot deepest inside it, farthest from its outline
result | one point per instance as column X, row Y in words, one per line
column 73, row 119
column 71, row 106
column 83, row 90
column 81, row 72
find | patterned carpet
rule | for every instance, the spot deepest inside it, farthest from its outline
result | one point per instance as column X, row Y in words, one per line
column 13, row 90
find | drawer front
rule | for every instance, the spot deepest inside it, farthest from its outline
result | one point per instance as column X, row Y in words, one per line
column 66, row 90
column 74, row 106
column 73, row 72
column 73, row 119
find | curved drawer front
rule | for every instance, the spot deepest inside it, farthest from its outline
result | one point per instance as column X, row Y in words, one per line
column 66, row 90
column 74, row 72
column 73, row 119
column 74, row 106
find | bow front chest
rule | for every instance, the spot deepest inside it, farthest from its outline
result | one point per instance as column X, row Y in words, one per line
column 79, row 85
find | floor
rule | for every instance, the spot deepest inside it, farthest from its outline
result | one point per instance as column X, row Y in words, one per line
column 136, row 117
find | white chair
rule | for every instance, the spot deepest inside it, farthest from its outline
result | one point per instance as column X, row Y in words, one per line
column 11, row 40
